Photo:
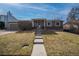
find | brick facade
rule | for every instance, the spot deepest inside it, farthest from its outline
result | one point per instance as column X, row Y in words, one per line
column 35, row 23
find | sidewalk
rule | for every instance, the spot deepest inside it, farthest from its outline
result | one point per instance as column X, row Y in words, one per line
column 3, row 32
column 38, row 48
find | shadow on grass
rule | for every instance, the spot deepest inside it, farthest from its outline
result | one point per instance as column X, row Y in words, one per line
column 76, row 32
column 48, row 32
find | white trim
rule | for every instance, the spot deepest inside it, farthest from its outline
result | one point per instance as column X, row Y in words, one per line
column 32, row 23
column 44, row 24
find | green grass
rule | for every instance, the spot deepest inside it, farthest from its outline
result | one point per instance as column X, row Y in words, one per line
column 61, row 44
column 20, row 43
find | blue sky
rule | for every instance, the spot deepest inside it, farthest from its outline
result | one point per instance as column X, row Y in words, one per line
column 26, row 11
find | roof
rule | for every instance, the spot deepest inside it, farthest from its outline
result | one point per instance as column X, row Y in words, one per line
column 23, row 20
column 57, row 20
column 13, row 21
column 3, row 13
column 73, row 21
column 39, row 19
column 47, row 19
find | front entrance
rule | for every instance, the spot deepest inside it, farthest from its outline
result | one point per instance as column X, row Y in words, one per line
column 39, row 23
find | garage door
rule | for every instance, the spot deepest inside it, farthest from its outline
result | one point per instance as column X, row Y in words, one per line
column 13, row 26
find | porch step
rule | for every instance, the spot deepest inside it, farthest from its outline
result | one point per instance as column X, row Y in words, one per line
column 38, row 37
column 38, row 41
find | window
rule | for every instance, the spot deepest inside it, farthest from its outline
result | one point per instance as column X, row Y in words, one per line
column 57, row 23
column 49, row 23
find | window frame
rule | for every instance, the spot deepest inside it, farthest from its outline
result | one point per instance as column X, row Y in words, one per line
column 49, row 23
column 56, row 23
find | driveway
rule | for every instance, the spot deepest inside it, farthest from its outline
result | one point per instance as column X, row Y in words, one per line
column 3, row 32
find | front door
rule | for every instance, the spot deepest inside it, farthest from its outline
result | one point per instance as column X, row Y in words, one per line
column 39, row 24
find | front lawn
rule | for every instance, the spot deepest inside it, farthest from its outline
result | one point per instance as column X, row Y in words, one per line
column 61, row 43
column 20, row 43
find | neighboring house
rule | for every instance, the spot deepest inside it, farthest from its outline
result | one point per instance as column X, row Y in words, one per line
column 72, row 24
column 11, row 23
column 6, row 18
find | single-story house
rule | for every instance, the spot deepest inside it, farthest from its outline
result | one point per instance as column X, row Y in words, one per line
column 35, row 23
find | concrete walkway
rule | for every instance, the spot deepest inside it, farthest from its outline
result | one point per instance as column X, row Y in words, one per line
column 3, row 32
column 38, row 48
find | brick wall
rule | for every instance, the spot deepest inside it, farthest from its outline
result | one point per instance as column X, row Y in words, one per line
column 25, row 25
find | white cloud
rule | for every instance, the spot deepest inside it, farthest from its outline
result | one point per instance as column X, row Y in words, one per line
column 14, row 4
column 27, row 6
column 37, row 8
